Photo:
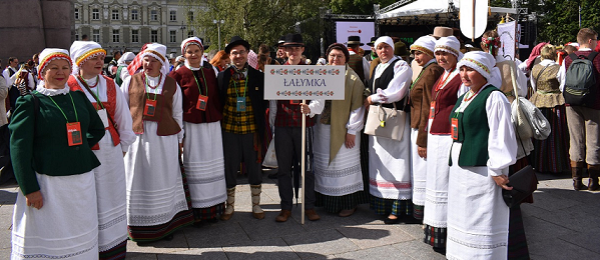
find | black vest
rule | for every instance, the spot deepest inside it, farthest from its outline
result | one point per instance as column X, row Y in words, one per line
column 383, row 81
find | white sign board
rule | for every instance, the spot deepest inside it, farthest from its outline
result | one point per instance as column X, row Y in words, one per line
column 297, row 82
column 507, row 32
column 365, row 30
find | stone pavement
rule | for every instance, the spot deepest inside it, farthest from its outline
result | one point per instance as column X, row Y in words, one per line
column 561, row 224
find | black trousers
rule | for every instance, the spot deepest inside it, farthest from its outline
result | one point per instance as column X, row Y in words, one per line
column 238, row 148
column 288, row 142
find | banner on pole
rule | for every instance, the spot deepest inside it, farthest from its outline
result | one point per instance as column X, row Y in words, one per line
column 507, row 32
column 297, row 82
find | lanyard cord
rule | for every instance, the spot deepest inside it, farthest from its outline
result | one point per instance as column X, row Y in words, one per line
column 237, row 94
column 147, row 85
column 73, row 103
column 96, row 95
column 198, row 83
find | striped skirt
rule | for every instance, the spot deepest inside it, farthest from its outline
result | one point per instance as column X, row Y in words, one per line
column 115, row 253
column 334, row 204
column 157, row 232
column 552, row 154
column 391, row 206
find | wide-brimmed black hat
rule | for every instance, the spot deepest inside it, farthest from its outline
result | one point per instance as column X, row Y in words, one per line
column 280, row 41
column 373, row 40
column 205, row 46
column 293, row 40
column 235, row 41
column 354, row 40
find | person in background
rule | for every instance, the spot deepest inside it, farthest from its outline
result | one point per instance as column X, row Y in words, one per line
column 113, row 64
column 220, row 61
column 122, row 64
column 55, row 214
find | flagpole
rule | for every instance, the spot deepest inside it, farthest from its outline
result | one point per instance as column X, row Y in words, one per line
column 303, row 165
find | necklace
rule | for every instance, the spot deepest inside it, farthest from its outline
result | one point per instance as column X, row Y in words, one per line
column 148, row 83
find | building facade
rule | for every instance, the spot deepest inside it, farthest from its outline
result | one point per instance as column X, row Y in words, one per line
column 126, row 25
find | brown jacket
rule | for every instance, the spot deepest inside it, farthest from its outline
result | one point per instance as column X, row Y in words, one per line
column 420, row 100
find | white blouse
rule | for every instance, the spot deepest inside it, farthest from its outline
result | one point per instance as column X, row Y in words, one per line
column 398, row 87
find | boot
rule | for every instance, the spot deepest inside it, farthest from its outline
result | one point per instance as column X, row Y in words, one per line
column 576, row 173
column 230, row 204
column 594, row 171
column 257, row 212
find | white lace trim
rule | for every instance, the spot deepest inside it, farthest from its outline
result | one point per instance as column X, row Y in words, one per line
column 52, row 92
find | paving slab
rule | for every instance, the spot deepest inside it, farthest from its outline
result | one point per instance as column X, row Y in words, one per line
column 382, row 252
column 216, row 253
column 325, row 242
column 223, row 233
column 558, row 249
column 178, row 243
column 275, row 248
column 416, row 249
column 369, row 236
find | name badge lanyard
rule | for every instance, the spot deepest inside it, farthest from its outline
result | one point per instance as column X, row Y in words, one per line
column 150, row 107
column 202, row 99
column 241, row 101
column 437, row 89
column 96, row 95
column 73, row 129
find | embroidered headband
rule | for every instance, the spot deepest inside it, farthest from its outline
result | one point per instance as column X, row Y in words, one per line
column 88, row 55
column 422, row 49
column 191, row 42
column 447, row 48
column 50, row 57
column 479, row 64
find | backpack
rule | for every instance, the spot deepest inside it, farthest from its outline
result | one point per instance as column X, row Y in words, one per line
column 580, row 86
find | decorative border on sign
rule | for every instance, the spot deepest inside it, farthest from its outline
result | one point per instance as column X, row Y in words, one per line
column 305, row 93
column 307, row 72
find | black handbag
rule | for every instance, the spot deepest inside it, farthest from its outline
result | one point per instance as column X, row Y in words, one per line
column 524, row 183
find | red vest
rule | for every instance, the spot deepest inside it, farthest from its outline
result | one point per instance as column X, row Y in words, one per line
column 445, row 99
column 190, row 93
column 110, row 105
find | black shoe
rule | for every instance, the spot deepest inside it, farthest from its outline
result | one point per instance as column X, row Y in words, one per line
column 168, row 237
column 440, row 250
column 390, row 221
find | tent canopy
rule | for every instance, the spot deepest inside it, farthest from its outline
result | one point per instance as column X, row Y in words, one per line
column 425, row 7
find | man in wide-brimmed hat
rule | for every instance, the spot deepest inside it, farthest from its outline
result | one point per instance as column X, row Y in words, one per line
column 242, row 93
column 356, row 61
column 286, row 116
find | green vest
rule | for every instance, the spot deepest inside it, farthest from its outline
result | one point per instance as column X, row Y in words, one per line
column 473, row 129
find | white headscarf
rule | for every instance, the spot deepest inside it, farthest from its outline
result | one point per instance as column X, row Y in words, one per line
column 481, row 62
column 48, row 55
column 425, row 44
column 159, row 52
column 189, row 41
column 449, row 44
column 81, row 51
column 384, row 39
column 126, row 57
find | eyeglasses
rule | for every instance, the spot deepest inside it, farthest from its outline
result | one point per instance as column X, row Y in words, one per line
column 236, row 53
column 332, row 56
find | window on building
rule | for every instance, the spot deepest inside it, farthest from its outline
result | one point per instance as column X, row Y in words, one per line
column 154, row 36
column 95, row 14
column 96, row 35
column 135, row 36
column 190, row 34
column 115, row 36
column 134, row 14
column 154, row 15
column 172, row 36
column 173, row 16
column 191, row 15
column 76, row 13
column 115, row 14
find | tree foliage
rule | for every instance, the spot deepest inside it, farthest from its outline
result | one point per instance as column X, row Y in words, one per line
column 364, row 7
column 560, row 21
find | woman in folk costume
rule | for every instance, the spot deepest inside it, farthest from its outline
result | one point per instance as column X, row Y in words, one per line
column 55, row 215
column 338, row 177
column 484, row 146
column 202, row 145
column 88, row 58
column 420, row 99
column 156, row 205
column 547, row 80
column 122, row 64
column 490, row 43
column 389, row 160
column 443, row 98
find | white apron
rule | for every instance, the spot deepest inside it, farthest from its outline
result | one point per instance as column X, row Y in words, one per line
column 419, row 171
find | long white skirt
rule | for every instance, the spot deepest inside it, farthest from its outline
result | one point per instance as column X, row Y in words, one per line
column 204, row 164
column 111, row 196
column 343, row 175
column 477, row 217
column 66, row 227
column 389, row 166
column 419, row 171
column 154, row 185
column 436, row 192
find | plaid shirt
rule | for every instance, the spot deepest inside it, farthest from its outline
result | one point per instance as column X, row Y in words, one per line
column 236, row 122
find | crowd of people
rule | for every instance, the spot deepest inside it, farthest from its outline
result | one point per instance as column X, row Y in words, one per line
column 152, row 144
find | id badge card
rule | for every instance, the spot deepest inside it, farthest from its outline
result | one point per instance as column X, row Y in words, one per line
column 432, row 110
column 295, row 102
column 74, row 134
column 201, row 104
column 454, row 128
column 104, row 117
column 150, row 107
column 241, row 104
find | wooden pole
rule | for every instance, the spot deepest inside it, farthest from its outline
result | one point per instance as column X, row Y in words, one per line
column 474, row 8
column 303, row 164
